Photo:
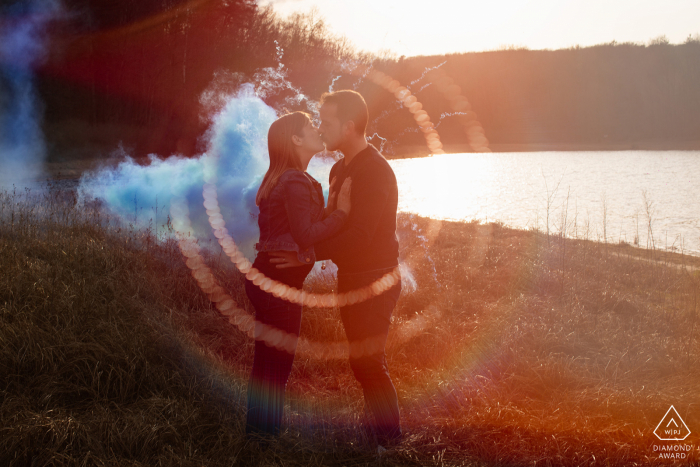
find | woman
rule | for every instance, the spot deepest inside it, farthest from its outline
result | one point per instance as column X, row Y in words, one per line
column 292, row 218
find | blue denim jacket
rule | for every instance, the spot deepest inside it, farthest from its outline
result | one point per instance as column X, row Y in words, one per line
column 292, row 217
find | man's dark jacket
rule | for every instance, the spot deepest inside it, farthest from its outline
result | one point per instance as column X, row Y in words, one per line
column 367, row 241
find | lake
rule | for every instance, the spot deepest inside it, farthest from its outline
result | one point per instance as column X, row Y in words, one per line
column 595, row 195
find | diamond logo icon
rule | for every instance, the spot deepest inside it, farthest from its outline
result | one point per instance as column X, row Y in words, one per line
column 672, row 427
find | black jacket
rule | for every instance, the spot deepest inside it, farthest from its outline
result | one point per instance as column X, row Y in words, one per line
column 367, row 240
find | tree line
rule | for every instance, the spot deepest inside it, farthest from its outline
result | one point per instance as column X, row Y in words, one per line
column 137, row 73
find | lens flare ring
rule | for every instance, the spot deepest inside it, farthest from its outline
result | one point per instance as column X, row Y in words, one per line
column 272, row 336
column 410, row 101
column 276, row 288
column 467, row 117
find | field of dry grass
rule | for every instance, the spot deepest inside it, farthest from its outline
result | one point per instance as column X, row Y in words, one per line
column 533, row 350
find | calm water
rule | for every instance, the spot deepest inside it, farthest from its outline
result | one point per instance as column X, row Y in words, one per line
column 604, row 192
column 580, row 188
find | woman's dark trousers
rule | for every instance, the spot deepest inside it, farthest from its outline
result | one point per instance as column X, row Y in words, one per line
column 271, row 367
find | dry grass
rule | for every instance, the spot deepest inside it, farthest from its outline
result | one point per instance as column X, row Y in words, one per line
column 537, row 351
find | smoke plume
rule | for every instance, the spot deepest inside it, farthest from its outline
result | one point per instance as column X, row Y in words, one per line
column 141, row 194
column 22, row 47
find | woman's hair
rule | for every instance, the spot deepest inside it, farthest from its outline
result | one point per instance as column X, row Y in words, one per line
column 281, row 149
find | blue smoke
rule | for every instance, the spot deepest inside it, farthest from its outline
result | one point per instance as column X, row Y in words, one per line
column 238, row 136
column 22, row 46
column 141, row 195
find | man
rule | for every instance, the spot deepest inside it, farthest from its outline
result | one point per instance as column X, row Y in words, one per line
column 365, row 250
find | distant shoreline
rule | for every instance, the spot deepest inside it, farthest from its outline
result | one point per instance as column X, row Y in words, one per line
column 421, row 151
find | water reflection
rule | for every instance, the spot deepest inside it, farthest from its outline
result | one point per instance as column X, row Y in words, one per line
column 591, row 195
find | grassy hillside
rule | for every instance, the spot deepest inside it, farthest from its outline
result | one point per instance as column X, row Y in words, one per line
column 532, row 349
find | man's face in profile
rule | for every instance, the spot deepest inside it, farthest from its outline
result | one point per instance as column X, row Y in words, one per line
column 330, row 128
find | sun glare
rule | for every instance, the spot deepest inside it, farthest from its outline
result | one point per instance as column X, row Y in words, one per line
column 450, row 26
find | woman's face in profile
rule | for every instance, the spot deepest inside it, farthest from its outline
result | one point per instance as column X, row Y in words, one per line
column 311, row 139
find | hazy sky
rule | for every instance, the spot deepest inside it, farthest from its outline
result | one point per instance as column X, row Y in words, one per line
column 442, row 26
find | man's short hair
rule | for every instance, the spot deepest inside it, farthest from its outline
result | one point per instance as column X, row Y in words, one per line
column 351, row 107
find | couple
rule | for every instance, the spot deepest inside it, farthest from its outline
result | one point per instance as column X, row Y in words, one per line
column 356, row 230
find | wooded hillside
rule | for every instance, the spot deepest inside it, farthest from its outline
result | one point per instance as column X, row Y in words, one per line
column 134, row 74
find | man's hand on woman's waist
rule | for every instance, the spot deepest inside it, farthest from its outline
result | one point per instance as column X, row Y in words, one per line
column 285, row 259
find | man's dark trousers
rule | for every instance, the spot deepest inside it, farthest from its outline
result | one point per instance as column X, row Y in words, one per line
column 370, row 319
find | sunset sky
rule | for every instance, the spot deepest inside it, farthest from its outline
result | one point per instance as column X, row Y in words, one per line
column 446, row 26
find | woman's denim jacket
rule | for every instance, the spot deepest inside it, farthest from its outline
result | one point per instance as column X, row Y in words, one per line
column 292, row 216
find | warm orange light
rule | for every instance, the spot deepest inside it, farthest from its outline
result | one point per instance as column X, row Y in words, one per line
column 453, row 93
column 270, row 335
column 246, row 323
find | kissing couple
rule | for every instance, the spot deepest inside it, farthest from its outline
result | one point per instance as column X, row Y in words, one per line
column 356, row 230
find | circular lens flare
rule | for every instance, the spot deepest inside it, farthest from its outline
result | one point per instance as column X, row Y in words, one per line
column 272, row 336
